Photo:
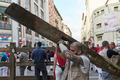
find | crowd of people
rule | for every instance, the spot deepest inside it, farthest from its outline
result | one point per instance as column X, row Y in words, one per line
column 69, row 64
column 109, row 52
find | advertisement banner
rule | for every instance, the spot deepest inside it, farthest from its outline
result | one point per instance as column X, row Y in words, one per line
column 110, row 22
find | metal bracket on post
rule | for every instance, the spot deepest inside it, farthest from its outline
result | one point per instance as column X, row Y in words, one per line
column 12, row 61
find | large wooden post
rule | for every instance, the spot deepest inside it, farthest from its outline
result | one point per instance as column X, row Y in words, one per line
column 12, row 62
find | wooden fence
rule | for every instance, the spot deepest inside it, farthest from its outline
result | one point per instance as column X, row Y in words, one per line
column 12, row 63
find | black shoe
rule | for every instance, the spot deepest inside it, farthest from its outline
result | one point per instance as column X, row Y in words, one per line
column 51, row 69
column 29, row 69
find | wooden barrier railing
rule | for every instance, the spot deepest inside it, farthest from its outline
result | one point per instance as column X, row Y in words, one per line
column 12, row 63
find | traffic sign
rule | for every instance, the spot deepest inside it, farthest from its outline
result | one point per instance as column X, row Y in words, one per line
column 90, row 41
column 21, row 42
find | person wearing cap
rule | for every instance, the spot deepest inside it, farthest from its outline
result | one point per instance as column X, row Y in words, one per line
column 77, row 64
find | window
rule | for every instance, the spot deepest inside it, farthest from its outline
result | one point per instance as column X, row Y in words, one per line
column 94, row 14
column 42, row 37
column 36, row 1
column 36, row 35
column 6, row 1
column 98, row 13
column 19, row 28
column 28, row 31
column 5, row 22
column 42, row 15
column 98, row 26
column 27, row 5
column 41, row 3
column 99, row 38
column 116, row 8
column 35, row 9
column 102, row 11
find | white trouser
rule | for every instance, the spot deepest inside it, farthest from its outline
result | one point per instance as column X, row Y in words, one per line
column 58, row 73
column 3, row 71
column 99, row 73
column 52, row 59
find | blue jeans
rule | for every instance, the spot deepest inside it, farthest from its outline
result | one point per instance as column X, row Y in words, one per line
column 22, row 69
column 40, row 67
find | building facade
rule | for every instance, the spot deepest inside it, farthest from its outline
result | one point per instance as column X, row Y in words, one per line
column 11, row 31
column 67, row 30
column 101, row 21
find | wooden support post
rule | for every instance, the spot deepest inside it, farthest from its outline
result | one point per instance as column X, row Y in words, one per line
column 12, row 62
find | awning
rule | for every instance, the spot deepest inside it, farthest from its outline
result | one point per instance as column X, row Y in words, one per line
column 36, row 41
column 29, row 40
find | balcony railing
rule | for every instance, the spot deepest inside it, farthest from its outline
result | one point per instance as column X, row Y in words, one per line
column 8, row 1
column 5, row 26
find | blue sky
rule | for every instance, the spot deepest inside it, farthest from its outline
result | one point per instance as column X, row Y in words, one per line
column 71, row 12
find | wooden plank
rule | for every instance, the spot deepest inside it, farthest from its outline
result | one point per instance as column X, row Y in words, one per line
column 50, row 77
column 12, row 61
column 4, row 49
column 106, row 2
column 31, row 63
column 26, row 49
column 4, row 63
column 38, row 25
column 4, row 78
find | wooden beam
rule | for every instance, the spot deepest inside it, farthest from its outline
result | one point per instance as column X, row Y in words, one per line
column 12, row 61
column 4, row 78
column 4, row 63
column 50, row 77
column 106, row 2
column 49, row 63
column 38, row 25
column 4, row 49
column 27, row 49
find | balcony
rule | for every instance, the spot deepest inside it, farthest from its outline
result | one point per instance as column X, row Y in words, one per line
column 5, row 26
column 8, row 1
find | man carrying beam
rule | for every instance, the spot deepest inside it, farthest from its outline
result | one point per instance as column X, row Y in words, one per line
column 36, row 24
